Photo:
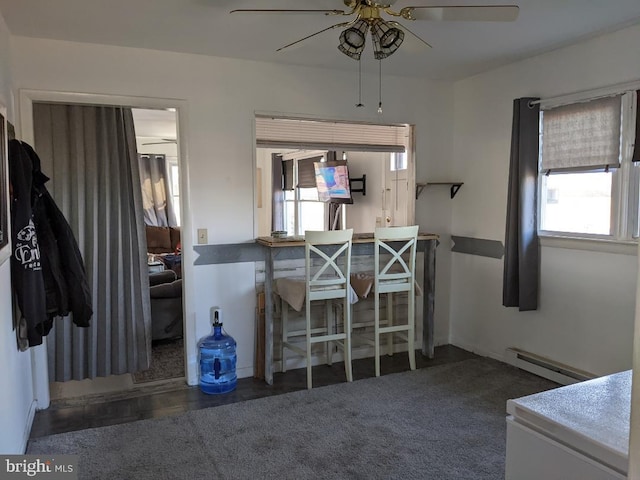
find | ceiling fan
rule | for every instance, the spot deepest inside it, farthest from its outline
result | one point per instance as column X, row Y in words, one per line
column 388, row 35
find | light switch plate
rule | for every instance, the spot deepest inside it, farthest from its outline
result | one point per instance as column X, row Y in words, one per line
column 203, row 236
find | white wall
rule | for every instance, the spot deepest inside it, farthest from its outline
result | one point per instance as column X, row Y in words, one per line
column 223, row 96
column 17, row 403
column 587, row 299
column 361, row 215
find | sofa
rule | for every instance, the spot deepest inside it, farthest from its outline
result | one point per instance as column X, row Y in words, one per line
column 164, row 244
column 163, row 239
column 165, row 290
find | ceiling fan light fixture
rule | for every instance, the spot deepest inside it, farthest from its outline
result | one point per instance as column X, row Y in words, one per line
column 386, row 39
column 353, row 39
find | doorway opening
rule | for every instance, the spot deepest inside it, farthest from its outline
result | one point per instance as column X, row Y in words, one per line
column 157, row 146
column 44, row 386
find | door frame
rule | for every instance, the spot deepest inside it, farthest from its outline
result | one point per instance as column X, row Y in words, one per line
column 39, row 363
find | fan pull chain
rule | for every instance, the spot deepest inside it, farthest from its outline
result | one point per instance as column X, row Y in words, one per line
column 359, row 104
column 380, row 87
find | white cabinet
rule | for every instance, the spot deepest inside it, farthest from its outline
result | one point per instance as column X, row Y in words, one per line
column 579, row 432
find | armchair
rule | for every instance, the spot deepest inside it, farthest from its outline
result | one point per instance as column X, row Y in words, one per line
column 165, row 290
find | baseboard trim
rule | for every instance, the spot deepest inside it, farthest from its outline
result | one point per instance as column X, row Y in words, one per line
column 541, row 366
column 27, row 428
column 546, row 367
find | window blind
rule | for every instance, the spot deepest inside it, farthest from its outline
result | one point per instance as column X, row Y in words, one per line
column 582, row 135
column 307, row 172
column 321, row 135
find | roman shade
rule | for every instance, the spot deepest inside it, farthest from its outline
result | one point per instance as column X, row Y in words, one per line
column 582, row 136
column 324, row 135
column 307, row 172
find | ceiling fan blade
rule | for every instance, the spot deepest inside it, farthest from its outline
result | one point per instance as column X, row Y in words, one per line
column 409, row 31
column 485, row 13
column 338, row 25
column 278, row 10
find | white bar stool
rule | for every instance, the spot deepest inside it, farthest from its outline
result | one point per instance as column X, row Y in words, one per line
column 327, row 277
column 395, row 276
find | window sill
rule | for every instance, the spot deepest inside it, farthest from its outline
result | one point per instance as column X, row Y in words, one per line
column 590, row 244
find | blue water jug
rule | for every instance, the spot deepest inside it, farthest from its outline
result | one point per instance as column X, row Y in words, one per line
column 217, row 360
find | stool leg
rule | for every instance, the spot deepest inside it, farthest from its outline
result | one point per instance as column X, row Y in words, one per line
column 347, row 341
column 328, row 346
column 284, row 317
column 308, row 319
column 411, row 307
column 390, row 323
column 376, row 332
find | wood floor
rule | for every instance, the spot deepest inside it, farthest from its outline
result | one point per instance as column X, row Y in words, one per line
column 176, row 397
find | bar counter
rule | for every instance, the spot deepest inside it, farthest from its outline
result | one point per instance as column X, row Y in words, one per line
column 289, row 248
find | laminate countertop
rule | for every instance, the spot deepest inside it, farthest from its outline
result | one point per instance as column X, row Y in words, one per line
column 592, row 417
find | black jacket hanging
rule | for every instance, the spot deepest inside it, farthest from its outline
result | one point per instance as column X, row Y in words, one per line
column 65, row 288
column 65, row 276
column 26, row 268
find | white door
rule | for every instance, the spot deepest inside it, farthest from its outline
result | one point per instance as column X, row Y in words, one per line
column 396, row 192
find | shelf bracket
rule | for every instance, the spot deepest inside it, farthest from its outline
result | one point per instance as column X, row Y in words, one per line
column 454, row 188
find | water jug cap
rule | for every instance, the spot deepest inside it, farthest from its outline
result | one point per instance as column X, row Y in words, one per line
column 216, row 319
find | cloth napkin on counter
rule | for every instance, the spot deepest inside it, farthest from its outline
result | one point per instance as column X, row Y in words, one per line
column 293, row 291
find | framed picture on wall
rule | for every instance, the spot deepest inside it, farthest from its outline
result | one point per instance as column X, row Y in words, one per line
column 5, row 244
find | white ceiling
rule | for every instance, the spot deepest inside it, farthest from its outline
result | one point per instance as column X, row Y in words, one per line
column 154, row 123
column 460, row 49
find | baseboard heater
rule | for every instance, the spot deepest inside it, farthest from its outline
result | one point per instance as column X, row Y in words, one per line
column 545, row 367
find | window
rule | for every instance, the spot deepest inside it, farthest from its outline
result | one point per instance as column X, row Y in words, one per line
column 588, row 183
column 302, row 209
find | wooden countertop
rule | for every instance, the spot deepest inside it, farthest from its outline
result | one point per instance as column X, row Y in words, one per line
column 299, row 239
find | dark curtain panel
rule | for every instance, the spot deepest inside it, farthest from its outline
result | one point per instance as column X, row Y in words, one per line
column 156, row 194
column 277, row 202
column 287, row 173
column 636, row 147
column 521, row 261
column 90, row 154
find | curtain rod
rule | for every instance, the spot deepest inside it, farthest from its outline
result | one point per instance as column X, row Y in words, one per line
column 587, row 94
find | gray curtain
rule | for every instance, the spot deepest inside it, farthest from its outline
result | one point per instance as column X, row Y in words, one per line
column 156, row 194
column 90, row 154
column 521, row 261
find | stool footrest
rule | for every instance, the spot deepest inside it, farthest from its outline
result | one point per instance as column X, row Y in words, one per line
column 329, row 338
column 395, row 328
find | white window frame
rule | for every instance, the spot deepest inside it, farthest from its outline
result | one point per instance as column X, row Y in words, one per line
column 625, row 193
column 297, row 215
column 174, row 171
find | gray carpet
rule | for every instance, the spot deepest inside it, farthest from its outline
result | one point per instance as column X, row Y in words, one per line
column 445, row 422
